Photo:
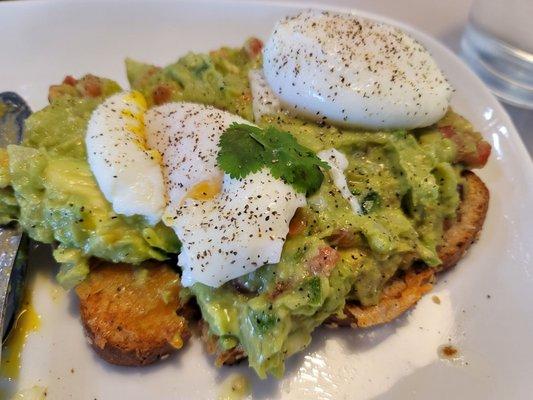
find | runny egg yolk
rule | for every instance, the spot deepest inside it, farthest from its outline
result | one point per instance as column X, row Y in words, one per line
column 135, row 121
column 205, row 190
column 134, row 118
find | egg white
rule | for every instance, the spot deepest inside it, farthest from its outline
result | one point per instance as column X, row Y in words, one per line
column 127, row 171
column 347, row 70
column 156, row 163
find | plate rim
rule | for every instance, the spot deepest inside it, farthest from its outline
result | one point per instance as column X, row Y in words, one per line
column 515, row 141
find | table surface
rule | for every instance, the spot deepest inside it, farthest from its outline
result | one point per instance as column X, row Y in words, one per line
column 444, row 20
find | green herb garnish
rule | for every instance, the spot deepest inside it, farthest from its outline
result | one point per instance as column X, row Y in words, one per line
column 245, row 149
column 370, row 202
column 263, row 321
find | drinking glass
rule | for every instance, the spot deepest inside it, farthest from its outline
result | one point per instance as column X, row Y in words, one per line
column 498, row 45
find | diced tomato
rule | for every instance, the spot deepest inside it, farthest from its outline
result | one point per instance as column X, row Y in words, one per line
column 298, row 223
column 58, row 91
column 54, row 92
column 161, row 94
column 448, row 131
column 70, row 80
column 280, row 287
column 92, row 86
column 472, row 152
column 253, row 47
column 483, row 152
column 324, row 262
column 342, row 238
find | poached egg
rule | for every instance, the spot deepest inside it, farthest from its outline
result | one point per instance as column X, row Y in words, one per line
column 352, row 71
column 162, row 163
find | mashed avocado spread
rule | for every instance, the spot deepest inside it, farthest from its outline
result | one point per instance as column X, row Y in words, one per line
column 406, row 182
column 58, row 199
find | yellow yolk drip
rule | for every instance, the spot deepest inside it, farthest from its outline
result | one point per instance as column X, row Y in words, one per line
column 177, row 341
column 134, row 117
column 205, row 190
column 26, row 322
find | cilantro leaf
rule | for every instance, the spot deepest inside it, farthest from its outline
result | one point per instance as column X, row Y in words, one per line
column 239, row 153
column 245, row 149
column 290, row 161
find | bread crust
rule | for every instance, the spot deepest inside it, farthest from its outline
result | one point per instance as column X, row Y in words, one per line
column 398, row 296
column 404, row 291
column 460, row 235
column 131, row 318
column 227, row 357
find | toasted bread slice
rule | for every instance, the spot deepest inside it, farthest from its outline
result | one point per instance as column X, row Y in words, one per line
column 398, row 296
column 460, row 235
column 404, row 291
column 130, row 315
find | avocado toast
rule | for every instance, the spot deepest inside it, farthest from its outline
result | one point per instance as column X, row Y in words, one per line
column 403, row 290
column 336, row 267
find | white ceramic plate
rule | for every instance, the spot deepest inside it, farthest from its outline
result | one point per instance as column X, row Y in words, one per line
column 43, row 41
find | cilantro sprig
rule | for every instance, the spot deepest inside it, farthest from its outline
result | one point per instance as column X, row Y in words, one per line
column 245, row 149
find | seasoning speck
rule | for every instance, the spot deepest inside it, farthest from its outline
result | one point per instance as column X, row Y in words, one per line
column 448, row 352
